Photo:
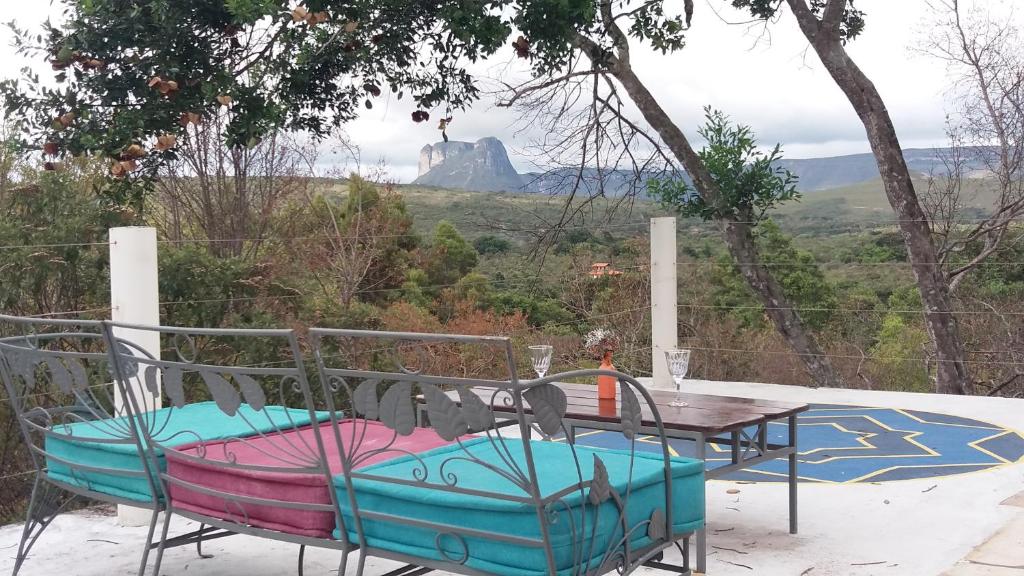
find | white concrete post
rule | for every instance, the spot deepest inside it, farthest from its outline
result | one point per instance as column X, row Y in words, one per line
column 134, row 298
column 664, row 311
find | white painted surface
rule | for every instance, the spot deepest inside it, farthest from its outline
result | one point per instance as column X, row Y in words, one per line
column 135, row 299
column 664, row 310
column 903, row 528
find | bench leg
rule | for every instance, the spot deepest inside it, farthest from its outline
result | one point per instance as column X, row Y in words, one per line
column 658, row 562
column 793, row 480
column 343, row 565
column 702, row 534
column 409, row 570
column 43, row 507
column 162, row 545
column 199, row 544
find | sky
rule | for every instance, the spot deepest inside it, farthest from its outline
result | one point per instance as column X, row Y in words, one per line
column 767, row 78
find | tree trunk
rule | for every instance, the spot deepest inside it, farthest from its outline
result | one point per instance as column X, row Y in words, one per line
column 951, row 369
column 739, row 236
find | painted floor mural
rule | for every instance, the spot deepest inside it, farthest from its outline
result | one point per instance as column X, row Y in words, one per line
column 844, row 444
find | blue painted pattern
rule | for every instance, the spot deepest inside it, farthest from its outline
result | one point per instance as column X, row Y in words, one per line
column 844, row 444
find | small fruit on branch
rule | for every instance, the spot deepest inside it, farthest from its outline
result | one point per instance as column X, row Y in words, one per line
column 118, row 170
column 63, row 121
column 522, row 46
column 134, row 151
column 225, row 100
column 189, row 118
column 166, row 142
column 168, row 87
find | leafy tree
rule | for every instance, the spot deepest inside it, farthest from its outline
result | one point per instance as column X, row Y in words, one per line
column 413, row 290
column 358, row 248
column 131, row 76
column 750, row 181
column 490, row 244
column 210, row 291
column 55, row 255
column 896, row 356
column 829, row 26
column 11, row 156
column 449, row 257
column 747, row 184
column 802, row 281
column 538, row 310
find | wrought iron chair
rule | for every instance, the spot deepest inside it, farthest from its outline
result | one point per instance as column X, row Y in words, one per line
column 80, row 438
column 238, row 446
column 497, row 502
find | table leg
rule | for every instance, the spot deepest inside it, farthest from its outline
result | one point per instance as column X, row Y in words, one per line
column 702, row 534
column 792, row 475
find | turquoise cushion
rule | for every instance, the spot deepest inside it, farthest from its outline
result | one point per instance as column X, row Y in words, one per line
column 202, row 421
column 556, row 470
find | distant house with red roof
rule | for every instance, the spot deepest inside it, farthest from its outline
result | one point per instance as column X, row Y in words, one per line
column 598, row 269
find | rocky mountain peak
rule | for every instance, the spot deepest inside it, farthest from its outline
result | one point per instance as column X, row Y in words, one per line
column 482, row 166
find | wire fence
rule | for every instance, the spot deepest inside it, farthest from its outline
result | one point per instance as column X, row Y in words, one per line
column 521, row 281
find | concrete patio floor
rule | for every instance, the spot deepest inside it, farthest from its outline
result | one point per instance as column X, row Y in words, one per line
column 962, row 525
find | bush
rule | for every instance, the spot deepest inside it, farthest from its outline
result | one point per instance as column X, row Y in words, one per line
column 490, row 244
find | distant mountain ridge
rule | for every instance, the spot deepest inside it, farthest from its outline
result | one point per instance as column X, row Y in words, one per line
column 484, row 166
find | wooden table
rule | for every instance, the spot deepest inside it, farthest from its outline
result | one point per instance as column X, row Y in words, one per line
column 713, row 419
column 708, row 419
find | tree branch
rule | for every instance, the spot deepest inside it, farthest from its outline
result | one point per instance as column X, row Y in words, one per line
column 832, row 18
column 527, row 88
column 612, row 27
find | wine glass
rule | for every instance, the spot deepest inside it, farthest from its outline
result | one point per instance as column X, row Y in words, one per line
column 678, row 363
column 540, row 355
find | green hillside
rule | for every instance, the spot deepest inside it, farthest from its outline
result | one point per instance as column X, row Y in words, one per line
column 842, row 210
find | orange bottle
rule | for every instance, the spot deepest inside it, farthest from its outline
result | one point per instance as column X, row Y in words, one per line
column 606, row 384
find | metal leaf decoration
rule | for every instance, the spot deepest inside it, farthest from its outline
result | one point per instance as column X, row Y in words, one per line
column 150, row 377
column 396, row 411
column 630, row 412
column 60, row 375
column 224, row 394
column 25, row 367
column 445, row 417
column 656, row 530
column 477, row 414
column 125, row 356
column 364, row 399
column 600, row 487
column 549, row 404
column 174, row 386
column 251, row 391
column 79, row 377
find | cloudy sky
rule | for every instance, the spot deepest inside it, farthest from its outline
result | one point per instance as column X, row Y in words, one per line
column 766, row 78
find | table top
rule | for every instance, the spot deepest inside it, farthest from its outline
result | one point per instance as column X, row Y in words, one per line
column 706, row 413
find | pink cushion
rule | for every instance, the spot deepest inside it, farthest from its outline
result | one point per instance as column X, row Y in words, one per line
column 292, row 449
